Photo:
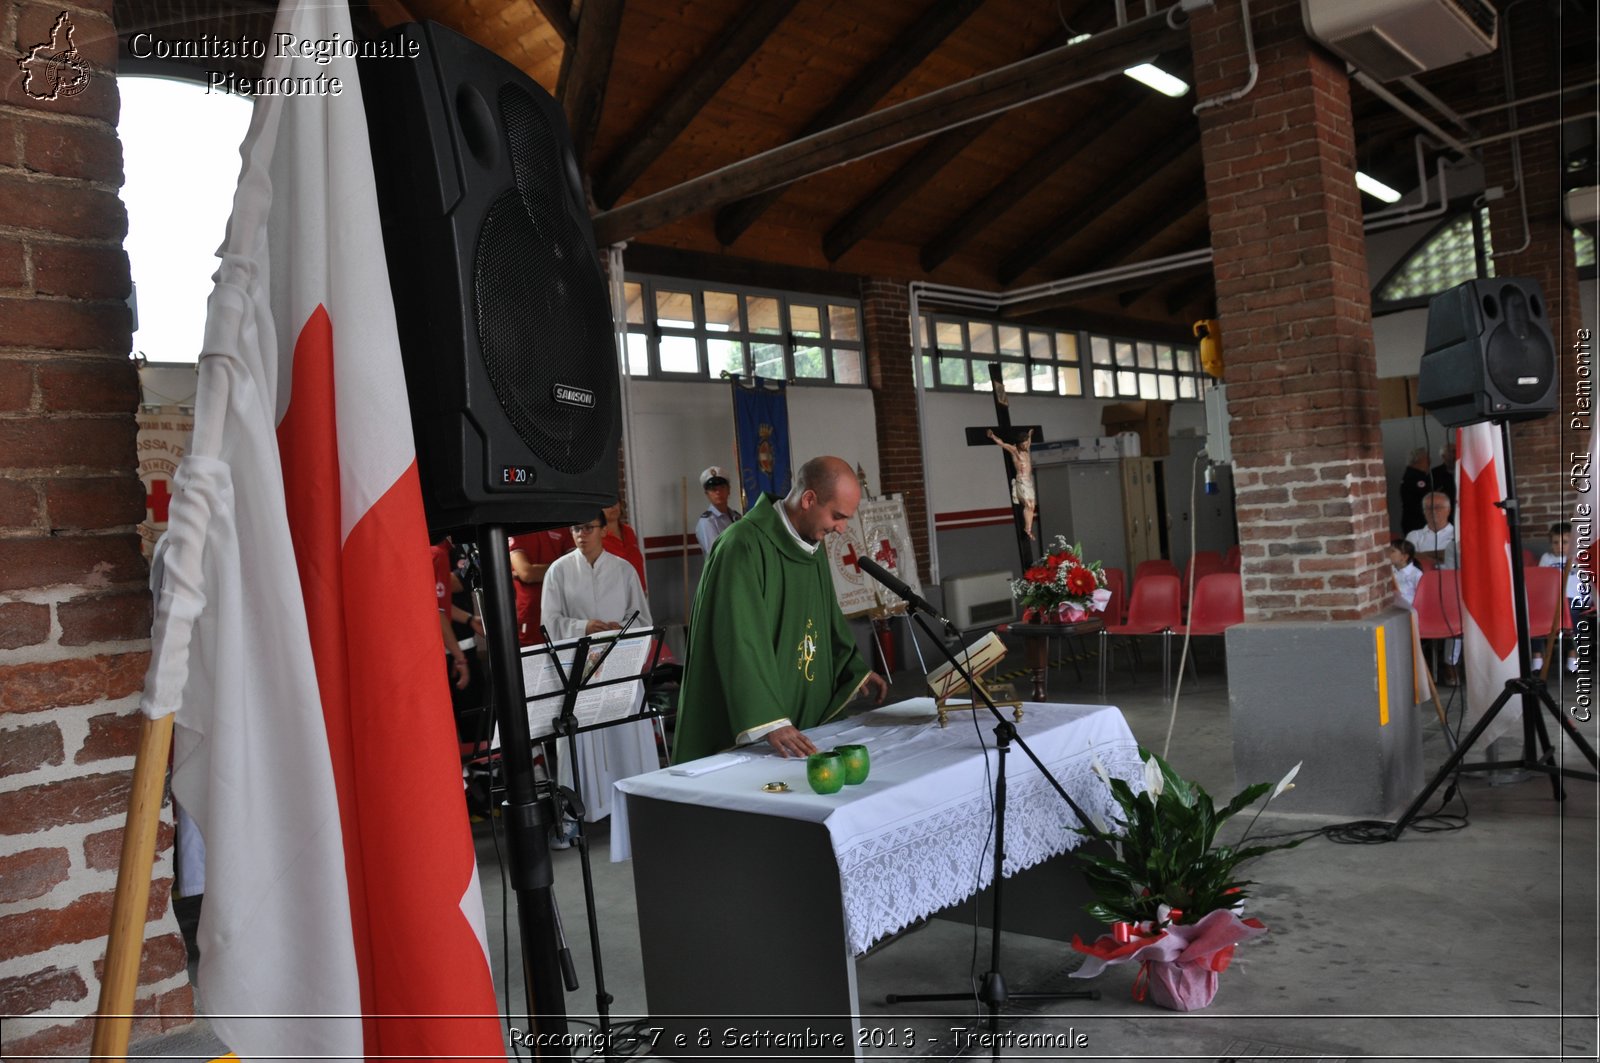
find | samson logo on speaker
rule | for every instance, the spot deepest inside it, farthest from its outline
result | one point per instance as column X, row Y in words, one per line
column 573, row 396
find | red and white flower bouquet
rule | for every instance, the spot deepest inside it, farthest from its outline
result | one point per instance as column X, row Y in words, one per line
column 1062, row 588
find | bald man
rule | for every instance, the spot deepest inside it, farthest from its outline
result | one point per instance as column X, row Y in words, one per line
column 770, row 654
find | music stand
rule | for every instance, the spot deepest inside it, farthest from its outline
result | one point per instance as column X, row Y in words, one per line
column 993, row 992
column 587, row 703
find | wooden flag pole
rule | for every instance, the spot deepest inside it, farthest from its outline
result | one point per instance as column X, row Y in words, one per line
column 113, row 1022
column 686, row 602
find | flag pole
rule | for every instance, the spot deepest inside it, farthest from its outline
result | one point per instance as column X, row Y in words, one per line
column 114, row 1019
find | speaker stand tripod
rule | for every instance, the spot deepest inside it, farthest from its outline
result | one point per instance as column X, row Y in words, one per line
column 1527, row 686
column 993, row 992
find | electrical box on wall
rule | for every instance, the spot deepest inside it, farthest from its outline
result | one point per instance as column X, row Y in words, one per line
column 1218, row 445
column 1391, row 39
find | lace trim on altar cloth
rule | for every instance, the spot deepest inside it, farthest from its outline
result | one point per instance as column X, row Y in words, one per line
column 912, row 870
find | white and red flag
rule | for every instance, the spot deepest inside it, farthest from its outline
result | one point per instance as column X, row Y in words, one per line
column 296, row 633
column 1488, row 617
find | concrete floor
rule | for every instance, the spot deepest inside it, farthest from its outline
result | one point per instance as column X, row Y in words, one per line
column 1475, row 944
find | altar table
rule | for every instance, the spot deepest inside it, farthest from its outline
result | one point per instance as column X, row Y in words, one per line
column 756, row 904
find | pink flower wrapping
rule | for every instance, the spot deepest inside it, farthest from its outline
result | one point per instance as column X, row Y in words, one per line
column 1178, row 964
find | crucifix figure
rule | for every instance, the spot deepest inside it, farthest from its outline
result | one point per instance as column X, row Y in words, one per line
column 1017, row 441
column 1022, row 493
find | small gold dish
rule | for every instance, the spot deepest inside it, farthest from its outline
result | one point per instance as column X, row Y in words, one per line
column 776, row 787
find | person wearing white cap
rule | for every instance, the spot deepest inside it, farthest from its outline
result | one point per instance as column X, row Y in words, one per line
column 719, row 517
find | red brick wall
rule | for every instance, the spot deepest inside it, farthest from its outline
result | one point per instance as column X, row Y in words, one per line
column 887, row 310
column 1293, row 302
column 1543, row 447
column 74, row 609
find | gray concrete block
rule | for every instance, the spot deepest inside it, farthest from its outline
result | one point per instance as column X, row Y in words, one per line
column 1307, row 691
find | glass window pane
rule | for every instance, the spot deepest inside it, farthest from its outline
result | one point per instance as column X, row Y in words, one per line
column 763, row 313
column 768, row 359
column 633, row 295
column 1039, row 346
column 725, row 356
column 1186, row 387
column 1147, row 355
column 953, row 372
column 1069, row 380
column 1105, row 384
column 638, row 354
column 679, row 354
column 1124, row 354
column 1011, row 340
column 1014, row 375
column 923, row 334
column 1067, row 346
column 949, row 336
column 1164, row 359
column 847, row 366
column 1128, row 383
column 843, row 323
column 674, row 310
column 722, row 314
column 1169, row 387
column 927, row 371
column 809, row 364
column 805, row 320
column 1149, row 387
column 1042, row 376
column 1185, row 360
column 981, row 335
column 1100, row 350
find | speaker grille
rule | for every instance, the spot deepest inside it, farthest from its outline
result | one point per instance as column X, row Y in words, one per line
column 1518, row 355
column 542, row 314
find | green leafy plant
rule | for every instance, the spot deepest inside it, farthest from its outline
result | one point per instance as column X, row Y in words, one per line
column 1166, row 865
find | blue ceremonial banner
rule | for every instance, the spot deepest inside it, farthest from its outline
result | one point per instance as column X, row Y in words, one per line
column 761, row 436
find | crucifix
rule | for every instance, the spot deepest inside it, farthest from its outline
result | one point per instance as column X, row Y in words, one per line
column 1016, row 442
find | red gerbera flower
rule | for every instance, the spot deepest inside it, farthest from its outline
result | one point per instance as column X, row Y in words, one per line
column 1081, row 581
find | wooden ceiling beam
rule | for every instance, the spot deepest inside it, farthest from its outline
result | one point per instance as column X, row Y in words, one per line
column 559, row 14
column 1123, row 245
column 1049, row 160
column 673, row 112
column 870, row 85
column 1186, row 293
column 1168, row 150
column 865, row 217
column 585, row 69
column 1057, row 71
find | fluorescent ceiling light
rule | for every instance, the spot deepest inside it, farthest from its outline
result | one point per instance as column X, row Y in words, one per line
column 1376, row 188
column 1158, row 79
column 1148, row 74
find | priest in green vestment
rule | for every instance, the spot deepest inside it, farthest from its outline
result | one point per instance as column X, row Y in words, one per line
column 770, row 654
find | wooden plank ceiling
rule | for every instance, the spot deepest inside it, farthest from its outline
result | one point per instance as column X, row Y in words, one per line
column 1107, row 173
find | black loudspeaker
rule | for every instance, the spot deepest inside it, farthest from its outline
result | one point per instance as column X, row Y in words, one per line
column 1490, row 355
column 504, row 313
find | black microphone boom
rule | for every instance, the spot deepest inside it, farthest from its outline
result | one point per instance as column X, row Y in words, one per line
column 898, row 586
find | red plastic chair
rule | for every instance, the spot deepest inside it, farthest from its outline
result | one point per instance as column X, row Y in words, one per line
column 1529, row 559
column 1156, row 566
column 1438, row 605
column 1231, row 560
column 1117, row 583
column 1544, row 598
column 1427, row 564
column 1218, row 605
column 1153, row 610
column 1204, row 563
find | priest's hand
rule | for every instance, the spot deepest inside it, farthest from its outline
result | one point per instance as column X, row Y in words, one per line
column 875, row 686
column 789, row 742
column 594, row 627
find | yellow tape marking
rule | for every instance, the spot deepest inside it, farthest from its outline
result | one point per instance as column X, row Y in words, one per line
column 1383, row 679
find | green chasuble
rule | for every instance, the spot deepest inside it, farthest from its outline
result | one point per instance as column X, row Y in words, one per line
column 767, row 641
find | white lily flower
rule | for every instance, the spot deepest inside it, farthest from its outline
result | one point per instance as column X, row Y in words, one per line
column 1099, row 769
column 1287, row 782
column 1154, row 781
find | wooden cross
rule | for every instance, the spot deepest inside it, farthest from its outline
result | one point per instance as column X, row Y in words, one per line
column 1013, row 434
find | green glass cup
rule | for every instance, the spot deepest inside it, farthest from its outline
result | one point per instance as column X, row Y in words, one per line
column 825, row 772
column 856, row 763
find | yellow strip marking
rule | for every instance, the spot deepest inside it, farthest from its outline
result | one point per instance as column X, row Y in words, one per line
column 1383, row 679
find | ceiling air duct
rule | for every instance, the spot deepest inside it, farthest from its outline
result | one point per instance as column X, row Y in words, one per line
column 1392, row 39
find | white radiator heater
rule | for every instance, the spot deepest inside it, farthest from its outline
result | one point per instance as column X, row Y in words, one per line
column 979, row 599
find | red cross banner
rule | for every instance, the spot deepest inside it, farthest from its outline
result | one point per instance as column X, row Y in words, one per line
column 878, row 531
column 163, row 439
column 1488, row 618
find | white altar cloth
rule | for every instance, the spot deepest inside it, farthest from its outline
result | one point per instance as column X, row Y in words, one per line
column 914, row 838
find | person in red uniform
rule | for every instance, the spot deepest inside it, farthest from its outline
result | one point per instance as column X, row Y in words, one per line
column 622, row 540
column 531, row 555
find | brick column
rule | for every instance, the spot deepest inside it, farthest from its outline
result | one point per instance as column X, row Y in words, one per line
column 1543, row 251
column 890, row 371
column 74, row 606
column 1293, row 302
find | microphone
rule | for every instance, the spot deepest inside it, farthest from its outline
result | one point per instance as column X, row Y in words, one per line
column 898, row 586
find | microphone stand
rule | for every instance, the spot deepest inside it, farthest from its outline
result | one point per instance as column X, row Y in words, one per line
column 993, row 992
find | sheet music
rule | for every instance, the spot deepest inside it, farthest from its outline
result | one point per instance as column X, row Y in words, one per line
column 596, row 704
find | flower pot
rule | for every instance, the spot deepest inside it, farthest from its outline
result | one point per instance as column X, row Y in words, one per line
column 1179, row 986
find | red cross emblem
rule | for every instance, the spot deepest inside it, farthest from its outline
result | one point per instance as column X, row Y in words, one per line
column 886, row 555
column 157, row 500
column 851, row 558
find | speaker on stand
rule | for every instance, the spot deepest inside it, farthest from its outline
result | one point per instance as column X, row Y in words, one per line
column 511, row 366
